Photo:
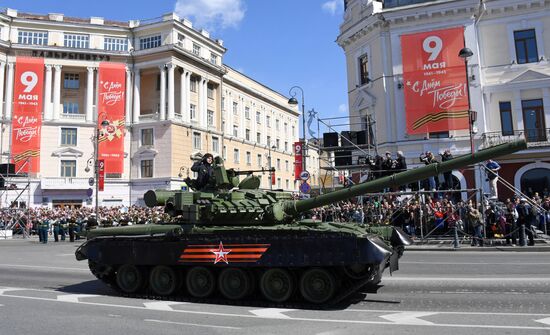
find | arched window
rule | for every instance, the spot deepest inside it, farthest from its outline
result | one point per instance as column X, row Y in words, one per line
column 536, row 180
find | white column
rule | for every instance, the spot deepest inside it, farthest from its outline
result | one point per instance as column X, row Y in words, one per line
column 171, row 111
column 2, row 73
column 203, row 103
column 90, row 95
column 162, row 108
column 127, row 111
column 517, row 109
column 188, row 96
column 184, row 103
column 48, row 93
column 9, row 91
column 57, row 92
column 137, row 88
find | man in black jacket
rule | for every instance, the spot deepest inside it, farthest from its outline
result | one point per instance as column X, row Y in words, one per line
column 204, row 171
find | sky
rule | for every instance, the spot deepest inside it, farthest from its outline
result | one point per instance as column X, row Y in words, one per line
column 280, row 43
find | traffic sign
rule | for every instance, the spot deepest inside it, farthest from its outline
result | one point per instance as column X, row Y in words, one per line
column 305, row 188
column 304, row 175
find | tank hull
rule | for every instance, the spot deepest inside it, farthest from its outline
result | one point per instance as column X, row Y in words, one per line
column 351, row 258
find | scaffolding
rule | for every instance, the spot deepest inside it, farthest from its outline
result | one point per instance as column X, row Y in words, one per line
column 14, row 211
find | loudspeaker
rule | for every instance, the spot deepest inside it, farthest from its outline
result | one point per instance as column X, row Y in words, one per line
column 347, row 138
column 361, row 137
column 342, row 158
column 7, row 168
column 330, row 139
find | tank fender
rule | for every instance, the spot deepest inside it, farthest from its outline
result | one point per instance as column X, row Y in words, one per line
column 399, row 238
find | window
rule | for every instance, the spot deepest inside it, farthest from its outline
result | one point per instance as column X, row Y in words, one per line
column 197, row 141
column 235, row 130
column 293, row 132
column 268, row 121
column 68, row 168
column 285, row 129
column 247, row 113
column 68, row 137
column 181, row 39
column 236, row 156
column 210, row 117
column 278, row 182
column 247, row 134
column 235, row 109
column 147, row 168
column 278, row 164
column 277, row 125
column 115, row 44
column 287, row 183
column 248, row 158
column 213, row 59
column 278, row 144
column 526, row 46
column 196, row 49
column 210, row 91
column 286, row 165
column 71, row 81
column 533, row 120
column 70, row 107
column 215, row 144
column 150, row 42
column 32, row 37
column 506, row 118
column 258, row 117
column 193, row 111
column 224, row 152
column 193, row 84
column 258, row 138
column 147, row 136
column 259, row 160
column 286, row 146
column 363, row 69
column 268, row 142
column 77, row 41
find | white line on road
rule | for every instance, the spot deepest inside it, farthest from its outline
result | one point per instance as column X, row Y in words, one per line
column 546, row 321
column 249, row 316
column 272, row 313
column 191, row 324
column 463, row 279
column 74, row 297
column 438, row 312
column 161, row 305
column 42, row 267
column 409, row 318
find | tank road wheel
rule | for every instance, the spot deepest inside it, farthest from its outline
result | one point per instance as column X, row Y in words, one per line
column 200, row 282
column 234, row 283
column 129, row 278
column 164, row 280
column 317, row 285
column 277, row 285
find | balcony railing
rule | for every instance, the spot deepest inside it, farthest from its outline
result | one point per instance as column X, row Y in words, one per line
column 534, row 137
column 73, row 116
column 64, row 183
column 149, row 117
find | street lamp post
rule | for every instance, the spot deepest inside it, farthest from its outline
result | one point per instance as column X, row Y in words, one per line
column 465, row 54
column 104, row 124
column 293, row 102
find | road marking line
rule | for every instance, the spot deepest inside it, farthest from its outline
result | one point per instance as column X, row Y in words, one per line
column 8, row 289
column 161, row 305
column 42, row 267
column 457, row 313
column 546, row 321
column 74, row 297
column 408, row 318
column 290, row 319
column 272, row 313
column 191, row 324
column 464, row 279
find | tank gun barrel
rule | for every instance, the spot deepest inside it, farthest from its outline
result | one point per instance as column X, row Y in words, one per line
column 294, row 207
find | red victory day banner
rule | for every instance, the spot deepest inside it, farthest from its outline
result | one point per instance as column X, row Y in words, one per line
column 111, row 107
column 436, row 94
column 298, row 159
column 27, row 113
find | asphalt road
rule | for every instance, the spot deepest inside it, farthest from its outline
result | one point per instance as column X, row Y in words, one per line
column 44, row 290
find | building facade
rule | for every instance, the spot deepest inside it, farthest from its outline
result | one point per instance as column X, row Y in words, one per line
column 508, row 80
column 181, row 101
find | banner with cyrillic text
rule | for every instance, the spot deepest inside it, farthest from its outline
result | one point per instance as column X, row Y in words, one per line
column 434, row 77
column 27, row 114
column 111, row 107
column 298, row 159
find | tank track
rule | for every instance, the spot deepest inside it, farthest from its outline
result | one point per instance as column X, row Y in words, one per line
column 348, row 288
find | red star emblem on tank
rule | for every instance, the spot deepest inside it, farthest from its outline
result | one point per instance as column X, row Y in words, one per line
column 221, row 254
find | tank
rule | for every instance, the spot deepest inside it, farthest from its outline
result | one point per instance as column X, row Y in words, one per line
column 233, row 240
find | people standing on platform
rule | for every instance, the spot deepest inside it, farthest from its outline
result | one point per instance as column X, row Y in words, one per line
column 492, row 176
column 447, row 176
column 511, row 216
column 525, row 220
column 476, row 220
column 400, row 166
column 429, row 158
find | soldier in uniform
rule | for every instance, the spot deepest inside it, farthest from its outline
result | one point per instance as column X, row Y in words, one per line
column 43, row 229
column 204, row 171
column 55, row 223
column 71, row 225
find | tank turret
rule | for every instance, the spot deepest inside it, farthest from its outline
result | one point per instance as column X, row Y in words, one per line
column 245, row 204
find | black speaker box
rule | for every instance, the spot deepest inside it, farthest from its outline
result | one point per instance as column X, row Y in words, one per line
column 330, row 139
column 7, row 168
column 361, row 137
column 342, row 158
